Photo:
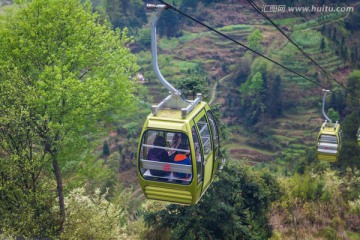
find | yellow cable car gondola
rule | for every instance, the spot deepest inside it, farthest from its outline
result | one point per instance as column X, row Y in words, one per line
column 329, row 142
column 178, row 157
column 329, row 138
column 179, row 150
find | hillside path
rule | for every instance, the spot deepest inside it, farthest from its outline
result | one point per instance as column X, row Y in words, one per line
column 213, row 90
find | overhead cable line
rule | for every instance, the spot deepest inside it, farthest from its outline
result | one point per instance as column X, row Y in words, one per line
column 170, row 6
column 291, row 41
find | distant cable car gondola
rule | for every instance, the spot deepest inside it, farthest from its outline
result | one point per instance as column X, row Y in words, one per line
column 358, row 136
column 329, row 138
column 179, row 150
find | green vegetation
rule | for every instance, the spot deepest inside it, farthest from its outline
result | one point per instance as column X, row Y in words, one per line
column 288, row 21
column 314, row 202
column 232, row 28
column 61, row 73
column 320, row 20
column 255, row 39
column 71, row 112
column 238, row 203
column 123, row 13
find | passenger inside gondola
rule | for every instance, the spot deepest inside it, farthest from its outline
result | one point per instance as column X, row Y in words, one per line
column 178, row 140
column 182, row 158
column 159, row 155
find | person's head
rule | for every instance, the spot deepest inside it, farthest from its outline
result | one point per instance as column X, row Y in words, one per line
column 176, row 138
column 179, row 138
column 184, row 146
column 160, row 141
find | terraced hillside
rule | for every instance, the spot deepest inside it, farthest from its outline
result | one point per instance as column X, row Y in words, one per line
column 299, row 128
column 219, row 58
column 179, row 56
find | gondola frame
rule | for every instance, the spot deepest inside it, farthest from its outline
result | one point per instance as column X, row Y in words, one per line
column 331, row 129
column 170, row 120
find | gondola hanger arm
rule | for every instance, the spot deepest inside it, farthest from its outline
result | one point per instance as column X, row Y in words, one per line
column 159, row 9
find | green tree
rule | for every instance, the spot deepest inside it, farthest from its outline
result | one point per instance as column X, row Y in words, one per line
column 234, row 207
column 334, row 35
column 169, row 24
column 255, row 39
column 252, row 97
column 322, row 44
column 106, row 149
column 133, row 129
column 94, row 216
column 354, row 89
column 344, row 53
column 63, row 71
column 23, row 191
column 193, row 84
column 252, row 87
column 274, row 105
column 337, row 101
column 354, row 56
column 143, row 39
column 126, row 13
column 333, row 115
column 350, row 152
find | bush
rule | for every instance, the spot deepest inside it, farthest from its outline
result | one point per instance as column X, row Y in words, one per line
column 93, row 216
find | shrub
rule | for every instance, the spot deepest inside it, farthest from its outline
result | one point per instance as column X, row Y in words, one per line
column 93, row 216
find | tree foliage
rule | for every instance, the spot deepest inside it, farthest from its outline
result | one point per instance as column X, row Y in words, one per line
column 274, row 102
column 169, row 24
column 93, row 216
column 354, row 89
column 254, row 92
column 62, row 70
column 125, row 13
column 106, row 148
column 322, row 44
column 236, row 206
column 333, row 115
column 350, row 151
column 193, row 84
column 255, row 39
column 318, row 200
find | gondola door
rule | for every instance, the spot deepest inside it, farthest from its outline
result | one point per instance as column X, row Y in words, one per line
column 203, row 129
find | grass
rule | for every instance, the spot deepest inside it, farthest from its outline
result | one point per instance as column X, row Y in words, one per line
column 243, row 146
column 185, row 64
column 288, row 21
column 173, row 43
column 353, row 235
column 320, row 20
column 297, row 146
column 307, row 39
column 232, row 28
column 283, row 139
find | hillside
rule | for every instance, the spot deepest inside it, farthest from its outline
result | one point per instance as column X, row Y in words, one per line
column 75, row 91
column 218, row 57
